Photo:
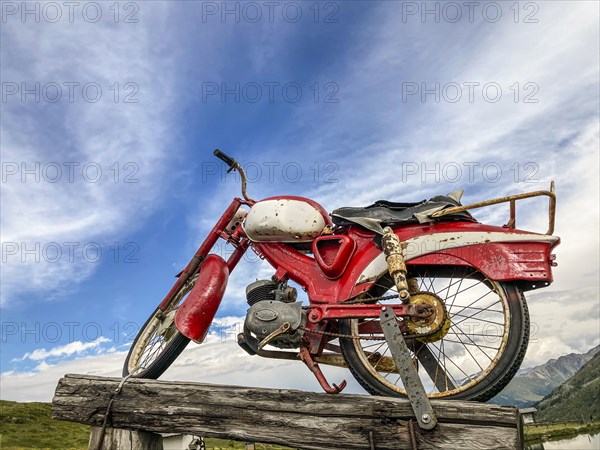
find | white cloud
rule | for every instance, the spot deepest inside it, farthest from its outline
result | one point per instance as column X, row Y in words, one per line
column 72, row 348
column 560, row 134
column 212, row 362
column 39, row 384
column 221, row 361
column 122, row 139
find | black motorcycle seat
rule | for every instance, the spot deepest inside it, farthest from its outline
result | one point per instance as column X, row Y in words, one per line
column 382, row 213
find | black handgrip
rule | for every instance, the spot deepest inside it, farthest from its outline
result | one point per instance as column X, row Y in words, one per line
column 223, row 157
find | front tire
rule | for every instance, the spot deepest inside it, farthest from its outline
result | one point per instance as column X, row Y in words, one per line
column 158, row 342
column 478, row 357
column 150, row 354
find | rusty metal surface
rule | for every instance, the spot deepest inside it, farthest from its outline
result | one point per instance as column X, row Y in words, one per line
column 412, row 434
column 410, row 378
column 394, row 256
column 284, row 219
column 330, row 359
column 313, row 366
column 384, row 363
column 434, row 327
column 413, row 285
column 284, row 328
column 512, row 199
column 364, row 311
column 237, row 166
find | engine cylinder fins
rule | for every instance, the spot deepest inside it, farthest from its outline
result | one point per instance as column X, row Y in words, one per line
column 260, row 290
column 270, row 290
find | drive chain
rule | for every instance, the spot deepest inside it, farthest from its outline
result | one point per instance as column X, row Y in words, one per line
column 364, row 338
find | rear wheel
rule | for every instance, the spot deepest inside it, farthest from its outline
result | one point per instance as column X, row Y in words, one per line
column 158, row 342
column 472, row 360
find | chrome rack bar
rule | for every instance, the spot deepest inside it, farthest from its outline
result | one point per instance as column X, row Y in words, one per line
column 512, row 199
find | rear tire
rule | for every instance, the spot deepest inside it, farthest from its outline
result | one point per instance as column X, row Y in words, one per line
column 483, row 383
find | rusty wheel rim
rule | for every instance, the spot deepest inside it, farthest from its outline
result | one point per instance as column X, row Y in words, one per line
column 469, row 350
column 158, row 332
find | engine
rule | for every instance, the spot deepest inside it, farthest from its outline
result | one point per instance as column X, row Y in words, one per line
column 273, row 310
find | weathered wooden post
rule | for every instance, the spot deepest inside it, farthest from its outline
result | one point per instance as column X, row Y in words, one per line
column 285, row 417
column 114, row 438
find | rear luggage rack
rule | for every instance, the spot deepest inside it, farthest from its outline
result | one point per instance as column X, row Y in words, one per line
column 512, row 199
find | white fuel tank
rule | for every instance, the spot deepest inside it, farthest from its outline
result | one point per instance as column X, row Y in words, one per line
column 284, row 220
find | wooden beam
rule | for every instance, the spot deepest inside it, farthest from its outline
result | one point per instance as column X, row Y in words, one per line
column 286, row 417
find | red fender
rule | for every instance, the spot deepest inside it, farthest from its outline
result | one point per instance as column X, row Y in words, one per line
column 523, row 261
column 194, row 316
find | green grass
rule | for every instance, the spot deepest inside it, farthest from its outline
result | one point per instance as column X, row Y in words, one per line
column 577, row 398
column 214, row 444
column 537, row 433
column 30, row 425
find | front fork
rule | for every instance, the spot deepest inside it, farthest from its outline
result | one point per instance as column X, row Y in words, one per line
column 194, row 315
column 217, row 231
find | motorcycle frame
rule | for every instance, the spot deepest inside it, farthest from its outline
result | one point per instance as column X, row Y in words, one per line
column 524, row 258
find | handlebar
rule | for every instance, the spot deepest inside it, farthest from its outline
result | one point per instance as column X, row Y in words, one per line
column 223, row 157
column 234, row 165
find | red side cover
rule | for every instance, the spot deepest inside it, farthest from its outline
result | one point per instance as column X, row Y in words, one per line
column 194, row 316
column 333, row 253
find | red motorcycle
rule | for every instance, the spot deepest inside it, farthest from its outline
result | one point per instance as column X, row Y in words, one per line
column 455, row 285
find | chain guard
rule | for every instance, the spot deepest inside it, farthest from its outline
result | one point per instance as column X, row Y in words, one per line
column 427, row 330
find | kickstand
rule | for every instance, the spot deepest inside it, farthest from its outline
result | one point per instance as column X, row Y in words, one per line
column 307, row 359
column 412, row 383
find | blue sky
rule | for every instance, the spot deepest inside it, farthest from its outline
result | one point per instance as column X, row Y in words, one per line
column 188, row 81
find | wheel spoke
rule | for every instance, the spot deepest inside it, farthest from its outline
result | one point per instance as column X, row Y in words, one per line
column 459, row 359
column 479, row 319
column 467, row 289
column 480, row 334
column 484, row 309
column 454, row 364
column 469, row 352
column 469, row 317
column 456, row 294
column 454, row 283
column 473, row 342
column 480, row 298
column 150, row 345
column 467, row 343
column 438, row 374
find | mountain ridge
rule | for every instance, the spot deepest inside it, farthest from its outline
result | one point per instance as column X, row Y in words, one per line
column 578, row 398
column 531, row 385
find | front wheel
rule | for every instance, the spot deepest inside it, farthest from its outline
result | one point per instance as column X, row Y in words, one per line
column 473, row 359
column 158, row 342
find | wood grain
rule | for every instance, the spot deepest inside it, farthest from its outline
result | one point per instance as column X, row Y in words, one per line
column 286, row 417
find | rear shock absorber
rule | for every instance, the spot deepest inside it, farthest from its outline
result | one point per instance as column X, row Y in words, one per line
column 394, row 256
